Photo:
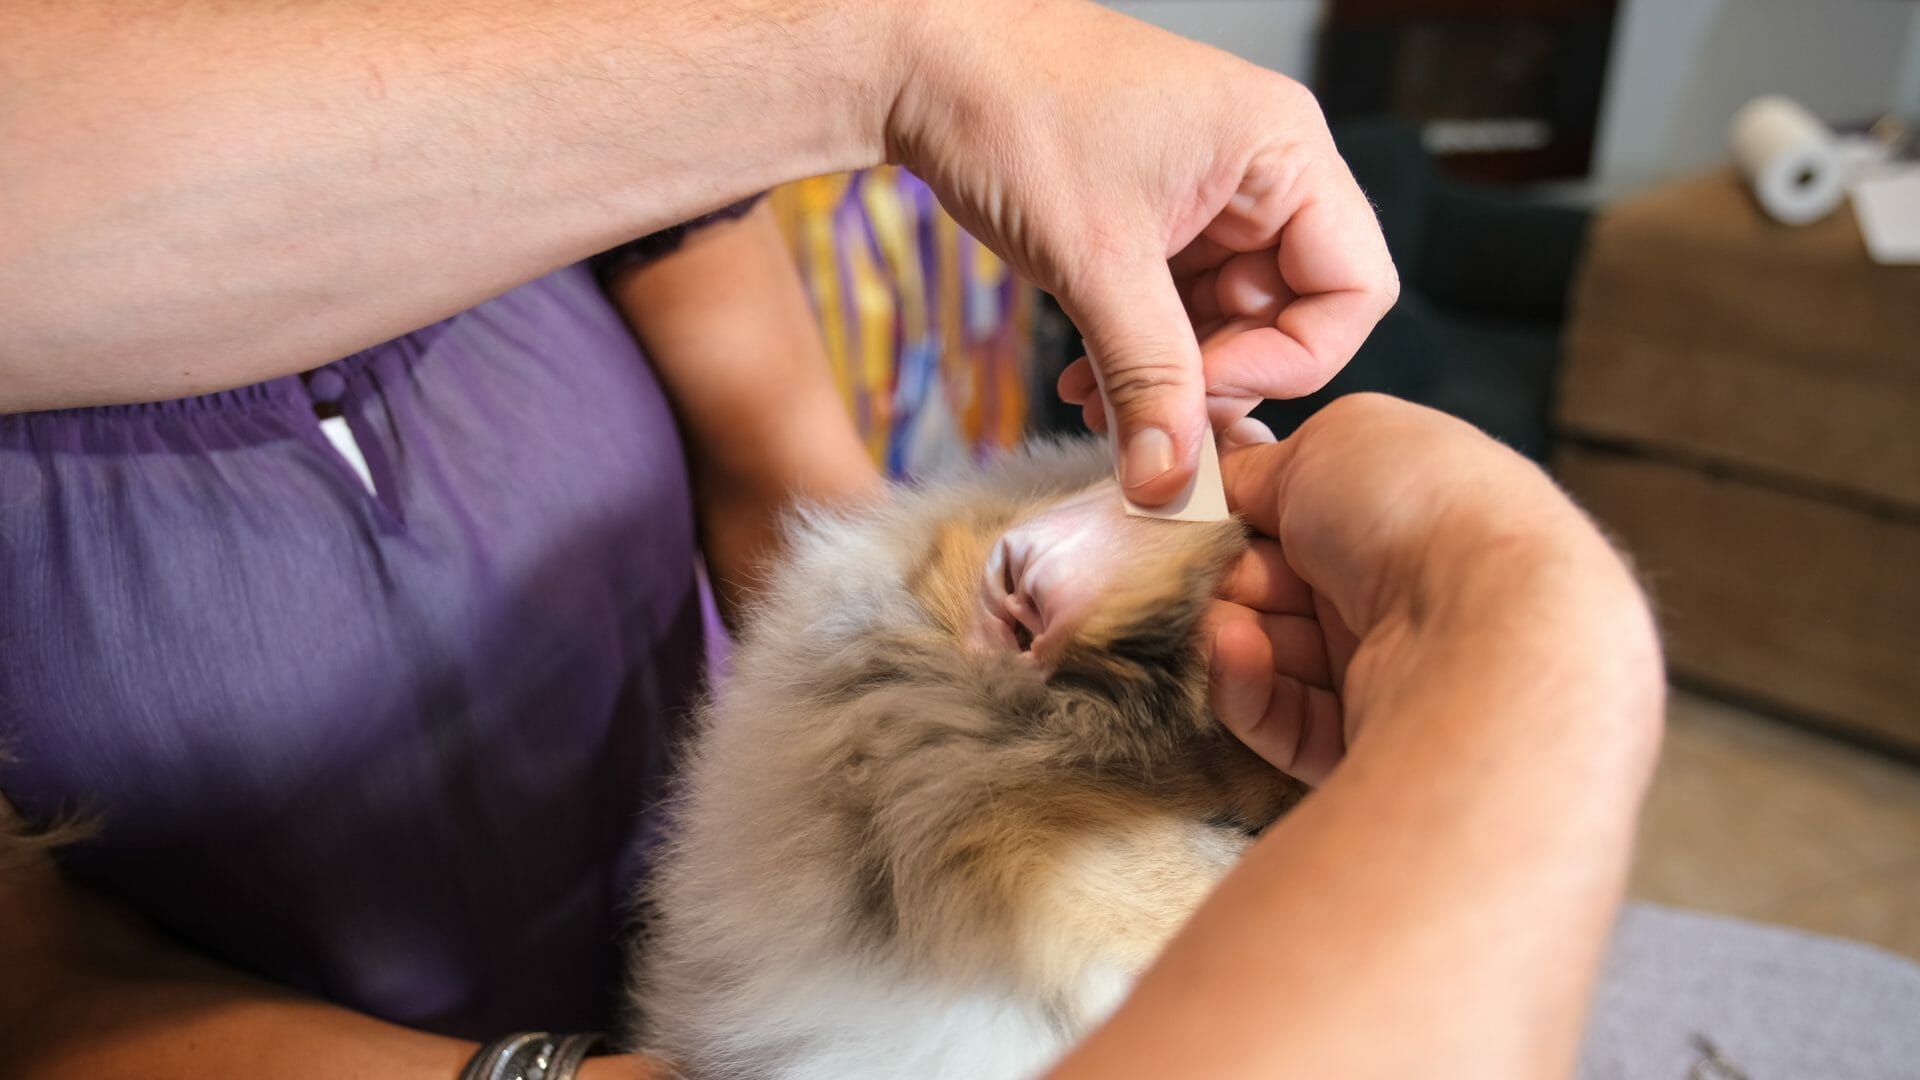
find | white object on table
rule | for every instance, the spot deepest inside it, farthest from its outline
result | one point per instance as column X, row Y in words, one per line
column 1790, row 159
column 1888, row 206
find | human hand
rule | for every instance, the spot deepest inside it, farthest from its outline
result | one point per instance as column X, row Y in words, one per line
column 1439, row 635
column 1188, row 209
column 1391, row 540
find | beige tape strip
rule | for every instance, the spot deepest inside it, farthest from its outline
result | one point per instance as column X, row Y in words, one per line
column 1205, row 496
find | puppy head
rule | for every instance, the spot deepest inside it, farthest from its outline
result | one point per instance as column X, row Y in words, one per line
column 1073, row 586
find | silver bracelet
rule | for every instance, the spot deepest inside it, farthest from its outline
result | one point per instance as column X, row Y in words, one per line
column 531, row 1055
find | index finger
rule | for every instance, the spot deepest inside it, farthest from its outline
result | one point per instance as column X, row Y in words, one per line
column 1330, row 253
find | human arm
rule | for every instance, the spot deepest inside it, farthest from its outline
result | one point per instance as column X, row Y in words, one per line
column 1438, row 906
column 91, row 993
column 726, row 324
column 197, row 196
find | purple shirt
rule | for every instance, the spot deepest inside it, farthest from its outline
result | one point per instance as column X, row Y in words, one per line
column 395, row 747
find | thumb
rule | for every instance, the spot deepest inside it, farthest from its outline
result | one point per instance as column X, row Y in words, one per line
column 1147, row 364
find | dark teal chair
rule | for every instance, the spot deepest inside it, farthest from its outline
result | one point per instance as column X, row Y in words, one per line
column 1485, row 276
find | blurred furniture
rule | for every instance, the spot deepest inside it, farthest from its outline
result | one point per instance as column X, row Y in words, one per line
column 1741, row 405
column 929, row 333
column 1498, row 89
column 1485, row 276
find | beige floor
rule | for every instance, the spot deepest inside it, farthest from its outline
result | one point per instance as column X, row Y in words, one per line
column 1751, row 817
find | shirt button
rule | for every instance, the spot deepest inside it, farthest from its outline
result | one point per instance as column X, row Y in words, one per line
column 327, row 386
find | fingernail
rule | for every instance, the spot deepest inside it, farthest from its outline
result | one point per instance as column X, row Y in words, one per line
column 1247, row 431
column 1149, row 456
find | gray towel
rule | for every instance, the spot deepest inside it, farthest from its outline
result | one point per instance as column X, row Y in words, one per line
column 1776, row 1004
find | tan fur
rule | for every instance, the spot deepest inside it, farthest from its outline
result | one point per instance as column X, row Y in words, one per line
column 944, row 579
column 1199, row 551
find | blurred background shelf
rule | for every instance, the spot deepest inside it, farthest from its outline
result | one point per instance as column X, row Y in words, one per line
column 1740, row 403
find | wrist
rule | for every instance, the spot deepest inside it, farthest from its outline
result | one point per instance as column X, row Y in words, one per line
column 1535, row 637
column 939, row 69
column 869, row 53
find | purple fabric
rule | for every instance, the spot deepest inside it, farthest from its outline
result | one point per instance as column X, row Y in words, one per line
column 397, row 751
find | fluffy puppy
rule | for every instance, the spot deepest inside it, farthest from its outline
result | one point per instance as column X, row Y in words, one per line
column 961, row 786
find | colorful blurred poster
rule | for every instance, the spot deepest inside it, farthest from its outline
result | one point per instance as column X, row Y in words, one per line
column 930, row 334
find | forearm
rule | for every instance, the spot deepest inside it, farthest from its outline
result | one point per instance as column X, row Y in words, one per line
column 726, row 323
column 181, row 1022
column 91, row 994
column 1439, row 907
column 199, row 195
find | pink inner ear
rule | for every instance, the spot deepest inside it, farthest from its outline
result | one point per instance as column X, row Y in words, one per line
column 1046, row 574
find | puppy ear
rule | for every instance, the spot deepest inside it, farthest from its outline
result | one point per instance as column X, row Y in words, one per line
column 1083, row 572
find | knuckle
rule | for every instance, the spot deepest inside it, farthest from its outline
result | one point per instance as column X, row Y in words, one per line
column 1366, row 406
column 1134, row 381
column 1389, row 292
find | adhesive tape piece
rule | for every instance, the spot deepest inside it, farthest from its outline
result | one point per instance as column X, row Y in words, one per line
column 1205, row 496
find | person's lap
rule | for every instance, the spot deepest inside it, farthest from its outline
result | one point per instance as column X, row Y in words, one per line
column 391, row 746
